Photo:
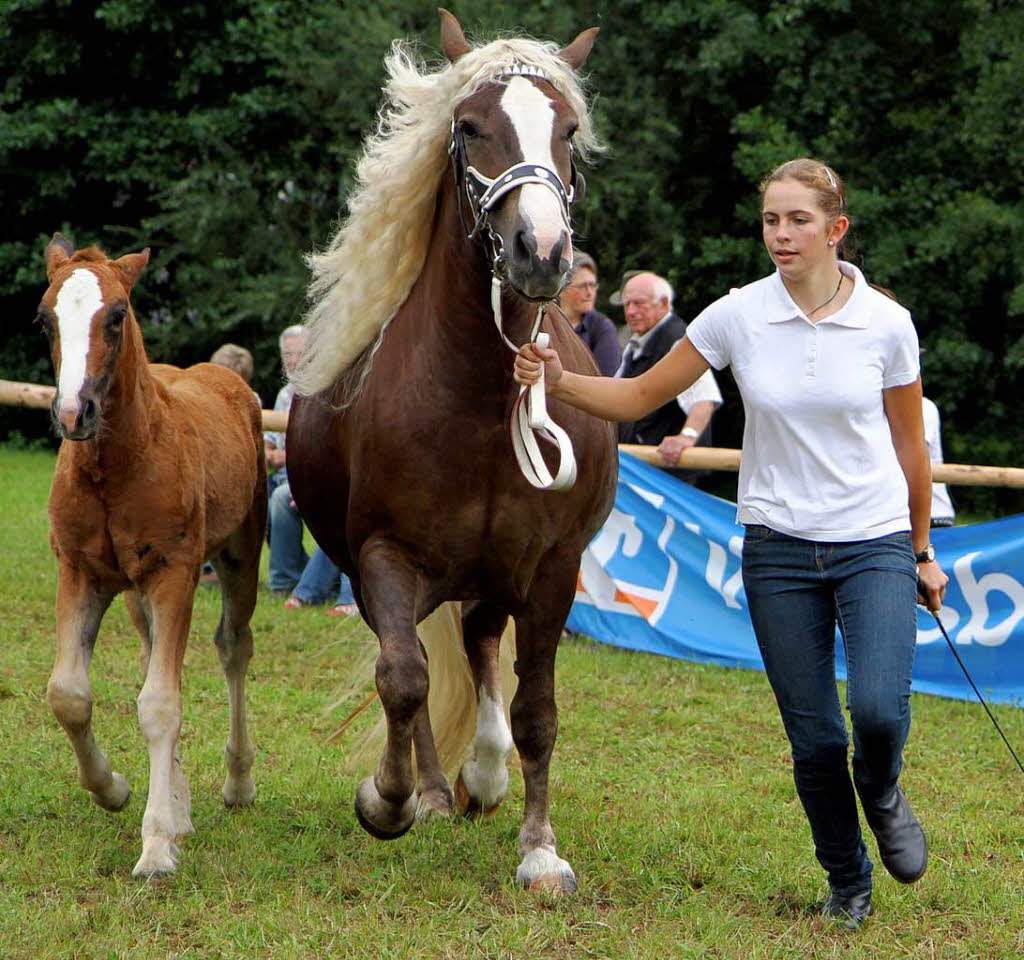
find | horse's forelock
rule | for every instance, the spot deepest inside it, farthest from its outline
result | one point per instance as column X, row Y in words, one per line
column 391, row 209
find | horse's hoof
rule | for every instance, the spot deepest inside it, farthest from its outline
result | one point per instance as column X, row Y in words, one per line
column 239, row 791
column 378, row 817
column 116, row 796
column 434, row 804
column 543, row 871
column 470, row 806
column 159, row 858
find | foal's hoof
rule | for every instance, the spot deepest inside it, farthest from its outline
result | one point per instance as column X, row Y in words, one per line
column 543, row 871
column 239, row 791
column 115, row 797
column 380, row 819
column 159, row 857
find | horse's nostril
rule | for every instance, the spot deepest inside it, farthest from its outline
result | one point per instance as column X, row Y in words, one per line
column 521, row 247
column 88, row 411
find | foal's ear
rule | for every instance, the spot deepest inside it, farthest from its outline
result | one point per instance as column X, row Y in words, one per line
column 58, row 252
column 577, row 52
column 130, row 266
column 453, row 40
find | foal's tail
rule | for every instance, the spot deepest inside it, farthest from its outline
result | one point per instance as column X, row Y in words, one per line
column 452, row 700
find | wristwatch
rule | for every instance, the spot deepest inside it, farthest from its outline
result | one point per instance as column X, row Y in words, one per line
column 927, row 555
column 689, row 432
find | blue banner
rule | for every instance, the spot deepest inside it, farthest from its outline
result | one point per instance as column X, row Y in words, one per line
column 663, row 576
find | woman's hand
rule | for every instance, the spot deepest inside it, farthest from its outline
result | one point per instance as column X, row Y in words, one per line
column 931, row 585
column 527, row 366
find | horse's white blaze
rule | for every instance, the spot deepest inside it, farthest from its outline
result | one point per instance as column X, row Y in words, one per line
column 486, row 776
column 77, row 302
column 532, row 115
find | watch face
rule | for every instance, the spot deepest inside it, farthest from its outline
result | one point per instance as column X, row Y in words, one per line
column 927, row 555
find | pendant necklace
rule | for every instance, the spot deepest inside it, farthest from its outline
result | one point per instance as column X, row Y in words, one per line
column 829, row 300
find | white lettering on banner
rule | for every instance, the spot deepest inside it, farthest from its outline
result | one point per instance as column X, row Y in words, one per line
column 714, row 574
column 976, row 593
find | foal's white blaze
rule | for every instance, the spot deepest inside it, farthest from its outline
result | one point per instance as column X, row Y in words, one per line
column 532, row 115
column 486, row 776
column 77, row 302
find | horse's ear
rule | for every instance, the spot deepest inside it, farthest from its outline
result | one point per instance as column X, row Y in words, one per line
column 130, row 266
column 58, row 252
column 453, row 40
column 577, row 52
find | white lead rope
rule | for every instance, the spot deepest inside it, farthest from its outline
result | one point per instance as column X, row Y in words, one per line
column 530, row 417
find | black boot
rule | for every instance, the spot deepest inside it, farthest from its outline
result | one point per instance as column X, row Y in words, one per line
column 851, row 910
column 901, row 841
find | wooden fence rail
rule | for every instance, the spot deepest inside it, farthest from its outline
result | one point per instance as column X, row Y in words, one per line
column 696, row 458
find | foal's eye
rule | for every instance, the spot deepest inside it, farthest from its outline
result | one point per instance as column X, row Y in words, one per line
column 469, row 129
column 116, row 315
column 571, row 132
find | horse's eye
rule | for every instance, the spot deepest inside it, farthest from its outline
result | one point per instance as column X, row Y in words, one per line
column 571, row 132
column 44, row 320
column 116, row 315
column 469, row 129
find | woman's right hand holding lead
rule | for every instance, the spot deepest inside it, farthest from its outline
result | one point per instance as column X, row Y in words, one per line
column 527, row 366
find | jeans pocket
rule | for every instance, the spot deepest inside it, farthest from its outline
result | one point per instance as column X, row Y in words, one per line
column 757, row 533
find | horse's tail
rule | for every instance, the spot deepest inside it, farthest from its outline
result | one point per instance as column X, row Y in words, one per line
column 452, row 700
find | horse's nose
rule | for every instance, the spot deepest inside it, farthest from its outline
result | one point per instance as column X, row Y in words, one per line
column 535, row 276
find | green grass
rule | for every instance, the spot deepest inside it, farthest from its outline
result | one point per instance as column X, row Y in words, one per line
column 672, row 797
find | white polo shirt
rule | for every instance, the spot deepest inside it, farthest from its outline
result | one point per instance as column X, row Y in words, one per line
column 818, row 459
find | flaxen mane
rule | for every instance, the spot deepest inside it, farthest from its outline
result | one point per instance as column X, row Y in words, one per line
column 391, row 209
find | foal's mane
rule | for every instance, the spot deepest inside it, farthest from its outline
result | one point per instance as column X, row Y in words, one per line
column 365, row 274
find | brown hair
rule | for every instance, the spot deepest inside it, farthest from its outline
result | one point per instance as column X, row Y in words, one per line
column 236, row 358
column 827, row 185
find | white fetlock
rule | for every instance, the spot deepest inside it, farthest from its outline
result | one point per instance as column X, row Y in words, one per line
column 116, row 796
column 159, row 856
column 543, row 870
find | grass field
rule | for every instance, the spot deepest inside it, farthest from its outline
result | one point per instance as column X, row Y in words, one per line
column 672, row 799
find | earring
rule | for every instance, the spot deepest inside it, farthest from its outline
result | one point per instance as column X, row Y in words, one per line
column 831, row 243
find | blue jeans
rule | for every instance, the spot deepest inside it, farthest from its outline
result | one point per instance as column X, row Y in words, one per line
column 797, row 591
column 318, row 579
column 287, row 555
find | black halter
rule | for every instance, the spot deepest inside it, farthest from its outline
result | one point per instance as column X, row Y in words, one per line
column 483, row 192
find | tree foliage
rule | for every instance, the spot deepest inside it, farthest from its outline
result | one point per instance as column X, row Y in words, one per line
column 223, row 136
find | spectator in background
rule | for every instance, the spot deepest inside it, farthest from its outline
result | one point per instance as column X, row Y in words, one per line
column 684, row 421
column 943, row 514
column 595, row 329
column 287, row 555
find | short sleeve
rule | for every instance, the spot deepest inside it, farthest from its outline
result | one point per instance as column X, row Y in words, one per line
column 710, row 333
column 903, row 357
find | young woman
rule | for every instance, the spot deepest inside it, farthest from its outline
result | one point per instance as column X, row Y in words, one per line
column 834, row 493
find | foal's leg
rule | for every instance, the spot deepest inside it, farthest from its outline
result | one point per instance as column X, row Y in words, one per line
column 535, row 722
column 237, row 569
column 483, row 781
column 137, row 611
column 167, row 814
column 384, row 802
column 80, row 608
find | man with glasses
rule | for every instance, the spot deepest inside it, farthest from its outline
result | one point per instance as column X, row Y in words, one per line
column 594, row 328
column 685, row 421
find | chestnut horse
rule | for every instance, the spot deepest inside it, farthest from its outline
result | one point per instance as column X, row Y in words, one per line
column 159, row 469
column 399, row 453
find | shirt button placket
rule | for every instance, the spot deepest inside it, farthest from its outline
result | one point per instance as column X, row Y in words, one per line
column 812, row 352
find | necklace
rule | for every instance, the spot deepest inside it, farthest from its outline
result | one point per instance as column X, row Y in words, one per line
column 829, row 300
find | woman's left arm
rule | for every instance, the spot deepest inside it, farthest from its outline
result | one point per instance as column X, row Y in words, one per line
column 906, row 424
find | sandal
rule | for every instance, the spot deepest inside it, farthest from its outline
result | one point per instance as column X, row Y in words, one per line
column 293, row 603
column 343, row 610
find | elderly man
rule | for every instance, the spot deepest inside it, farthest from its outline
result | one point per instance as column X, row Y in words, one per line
column 647, row 302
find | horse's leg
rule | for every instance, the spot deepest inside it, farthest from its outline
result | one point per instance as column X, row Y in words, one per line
column 433, row 795
column 535, row 721
column 483, row 781
column 384, row 802
column 167, row 814
column 237, row 569
column 80, row 608
column 137, row 611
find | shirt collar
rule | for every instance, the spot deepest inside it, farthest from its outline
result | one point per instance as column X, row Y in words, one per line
column 780, row 306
